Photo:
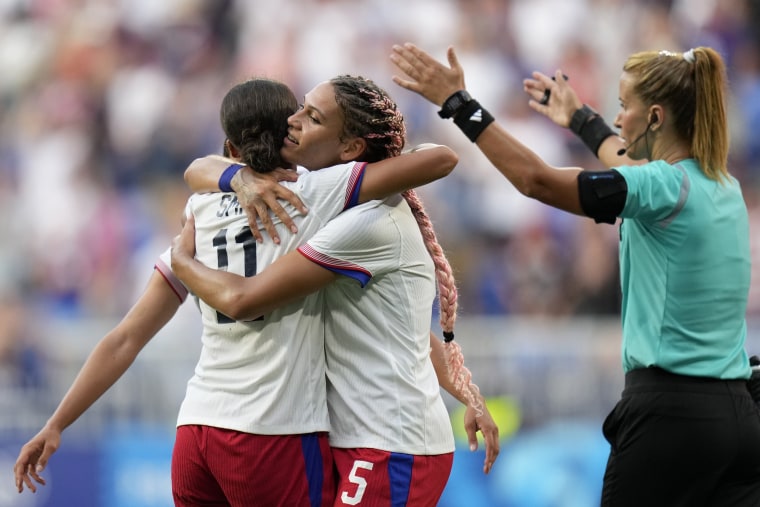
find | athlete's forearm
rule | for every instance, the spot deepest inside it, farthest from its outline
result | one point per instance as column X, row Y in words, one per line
column 438, row 357
column 116, row 351
column 288, row 279
column 531, row 176
column 203, row 174
column 219, row 289
column 105, row 365
column 410, row 170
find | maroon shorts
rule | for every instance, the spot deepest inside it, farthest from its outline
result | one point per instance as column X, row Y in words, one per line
column 220, row 467
column 373, row 478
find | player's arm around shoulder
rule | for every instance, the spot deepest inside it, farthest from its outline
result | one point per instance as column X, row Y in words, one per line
column 422, row 165
column 203, row 173
column 257, row 192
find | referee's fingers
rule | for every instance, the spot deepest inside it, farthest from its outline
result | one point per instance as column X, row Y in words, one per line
column 406, row 83
column 401, row 57
column 453, row 60
column 415, row 56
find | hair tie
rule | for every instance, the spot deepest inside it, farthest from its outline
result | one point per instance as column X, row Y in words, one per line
column 689, row 56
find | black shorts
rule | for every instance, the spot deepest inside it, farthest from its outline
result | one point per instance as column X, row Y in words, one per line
column 682, row 441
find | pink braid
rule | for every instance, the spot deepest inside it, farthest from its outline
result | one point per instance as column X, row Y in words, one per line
column 460, row 376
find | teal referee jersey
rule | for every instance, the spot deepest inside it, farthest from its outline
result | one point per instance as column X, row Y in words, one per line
column 685, row 271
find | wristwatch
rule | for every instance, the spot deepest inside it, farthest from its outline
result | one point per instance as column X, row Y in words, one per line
column 454, row 103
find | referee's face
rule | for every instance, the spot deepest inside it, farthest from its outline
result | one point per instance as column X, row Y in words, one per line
column 633, row 120
column 315, row 130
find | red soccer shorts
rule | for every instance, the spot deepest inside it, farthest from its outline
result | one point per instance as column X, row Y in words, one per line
column 373, row 478
column 220, row 467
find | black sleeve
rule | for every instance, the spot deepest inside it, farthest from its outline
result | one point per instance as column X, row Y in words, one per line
column 602, row 194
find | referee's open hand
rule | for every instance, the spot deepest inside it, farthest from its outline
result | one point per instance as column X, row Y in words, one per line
column 426, row 75
column 553, row 97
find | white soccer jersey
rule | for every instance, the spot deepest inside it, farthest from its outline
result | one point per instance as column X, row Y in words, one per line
column 265, row 376
column 382, row 389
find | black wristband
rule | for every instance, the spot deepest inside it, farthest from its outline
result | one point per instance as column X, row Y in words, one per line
column 454, row 103
column 590, row 127
column 580, row 117
column 473, row 119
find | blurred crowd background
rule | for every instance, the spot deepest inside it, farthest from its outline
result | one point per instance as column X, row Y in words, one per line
column 103, row 103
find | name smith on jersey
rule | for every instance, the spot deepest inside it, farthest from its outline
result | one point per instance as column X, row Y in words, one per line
column 229, row 205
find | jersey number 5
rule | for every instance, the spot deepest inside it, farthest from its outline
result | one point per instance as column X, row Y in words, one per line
column 361, row 483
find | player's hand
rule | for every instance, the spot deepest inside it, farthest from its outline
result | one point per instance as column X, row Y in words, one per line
column 183, row 245
column 427, row 76
column 33, row 459
column 481, row 420
column 562, row 100
column 258, row 193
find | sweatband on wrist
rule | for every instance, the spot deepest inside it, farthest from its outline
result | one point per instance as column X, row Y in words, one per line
column 225, row 180
column 590, row 127
column 472, row 119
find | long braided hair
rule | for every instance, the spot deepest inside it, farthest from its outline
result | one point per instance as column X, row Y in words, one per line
column 459, row 374
column 370, row 113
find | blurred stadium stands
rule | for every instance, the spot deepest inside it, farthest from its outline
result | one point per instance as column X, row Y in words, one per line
column 103, row 103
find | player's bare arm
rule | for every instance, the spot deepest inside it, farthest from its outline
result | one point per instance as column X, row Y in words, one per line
column 474, row 420
column 419, row 167
column 257, row 192
column 289, row 278
column 108, row 361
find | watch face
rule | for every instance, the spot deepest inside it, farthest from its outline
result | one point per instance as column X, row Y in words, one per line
column 459, row 99
column 453, row 103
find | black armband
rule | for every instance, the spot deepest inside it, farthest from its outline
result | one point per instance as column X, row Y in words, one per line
column 590, row 127
column 602, row 194
column 472, row 119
